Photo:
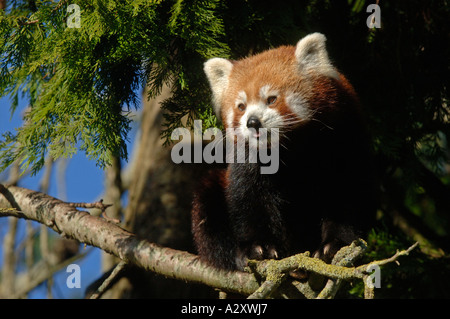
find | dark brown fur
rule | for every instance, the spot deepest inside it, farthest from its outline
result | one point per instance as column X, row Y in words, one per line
column 322, row 197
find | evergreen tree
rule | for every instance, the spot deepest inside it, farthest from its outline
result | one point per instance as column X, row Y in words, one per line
column 81, row 81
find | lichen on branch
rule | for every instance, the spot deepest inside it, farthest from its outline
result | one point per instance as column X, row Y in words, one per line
column 65, row 219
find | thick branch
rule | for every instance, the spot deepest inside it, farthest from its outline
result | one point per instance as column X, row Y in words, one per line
column 95, row 231
column 68, row 221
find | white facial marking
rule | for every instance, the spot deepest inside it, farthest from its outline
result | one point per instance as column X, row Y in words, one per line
column 229, row 119
column 269, row 118
column 242, row 98
column 252, row 109
column 272, row 119
column 266, row 91
column 298, row 105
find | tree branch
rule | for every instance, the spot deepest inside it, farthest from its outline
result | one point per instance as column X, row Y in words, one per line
column 69, row 222
column 108, row 282
column 95, row 231
column 274, row 271
column 40, row 272
column 344, row 257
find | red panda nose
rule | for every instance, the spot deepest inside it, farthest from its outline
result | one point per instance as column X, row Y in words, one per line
column 253, row 122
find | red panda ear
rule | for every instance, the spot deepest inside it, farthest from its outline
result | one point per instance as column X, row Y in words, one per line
column 218, row 71
column 311, row 55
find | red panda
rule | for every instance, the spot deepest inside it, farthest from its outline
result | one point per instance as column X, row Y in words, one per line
column 323, row 196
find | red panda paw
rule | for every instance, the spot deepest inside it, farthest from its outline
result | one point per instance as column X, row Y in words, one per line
column 327, row 251
column 255, row 252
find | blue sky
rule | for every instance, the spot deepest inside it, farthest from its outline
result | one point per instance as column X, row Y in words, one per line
column 84, row 183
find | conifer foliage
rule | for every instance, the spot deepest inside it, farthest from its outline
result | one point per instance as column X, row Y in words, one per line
column 81, row 80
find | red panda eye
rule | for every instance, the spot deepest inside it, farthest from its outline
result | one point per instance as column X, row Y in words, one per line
column 271, row 100
column 241, row 106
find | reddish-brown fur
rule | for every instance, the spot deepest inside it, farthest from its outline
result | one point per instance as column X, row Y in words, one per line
column 275, row 67
column 323, row 194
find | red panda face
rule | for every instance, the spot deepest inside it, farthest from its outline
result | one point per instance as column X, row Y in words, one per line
column 273, row 89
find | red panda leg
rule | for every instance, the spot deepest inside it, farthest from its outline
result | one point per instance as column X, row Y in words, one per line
column 211, row 229
column 334, row 236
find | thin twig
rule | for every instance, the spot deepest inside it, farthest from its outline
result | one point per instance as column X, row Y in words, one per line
column 40, row 273
column 363, row 268
column 9, row 211
column 98, row 205
column 369, row 290
column 108, row 281
column 265, row 290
